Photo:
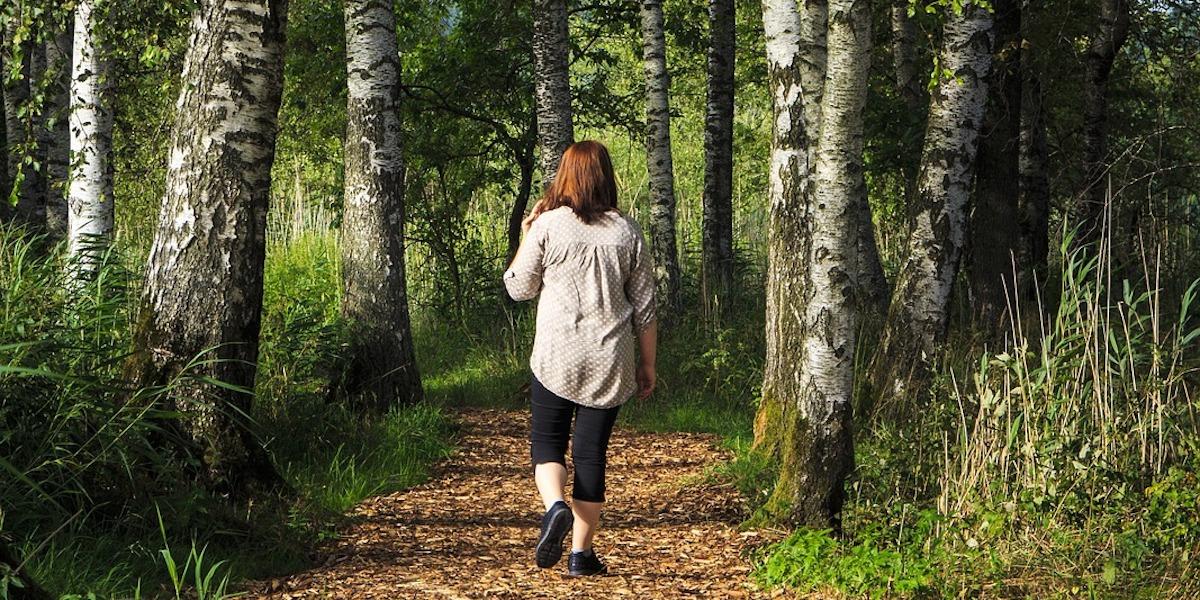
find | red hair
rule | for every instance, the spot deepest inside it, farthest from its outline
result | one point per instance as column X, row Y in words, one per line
column 585, row 182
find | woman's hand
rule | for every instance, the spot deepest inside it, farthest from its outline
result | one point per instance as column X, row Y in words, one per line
column 646, row 379
column 527, row 222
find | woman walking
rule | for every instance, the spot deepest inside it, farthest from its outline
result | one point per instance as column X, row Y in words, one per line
column 591, row 267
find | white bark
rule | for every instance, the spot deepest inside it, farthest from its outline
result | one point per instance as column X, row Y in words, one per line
column 658, row 157
column 812, row 317
column 920, row 306
column 552, row 84
column 785, row 191
column 383, row 364
column 204, row 280
column 90, row 193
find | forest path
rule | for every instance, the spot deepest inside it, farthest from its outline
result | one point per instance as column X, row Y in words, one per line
column 469, row 531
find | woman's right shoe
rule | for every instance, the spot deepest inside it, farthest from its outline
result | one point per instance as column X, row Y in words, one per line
column 583, row 564
column 556, row 523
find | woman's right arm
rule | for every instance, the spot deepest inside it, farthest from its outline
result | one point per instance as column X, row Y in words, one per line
column 523, row 279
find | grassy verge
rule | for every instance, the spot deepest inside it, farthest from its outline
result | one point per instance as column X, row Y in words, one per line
column 85, row 494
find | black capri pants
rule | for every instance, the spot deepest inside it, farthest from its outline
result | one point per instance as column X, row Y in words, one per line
column 550, row 429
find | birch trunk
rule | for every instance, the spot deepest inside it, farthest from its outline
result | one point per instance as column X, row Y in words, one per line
column 375, row 303
column 90, row 195
column 787, row 236
column 904, row 56
column 58, row 53
column 1107, row 39
column 874, row 290
column 658, row 157
column 204, row 279
column 552, row 84
column 717, row 236
column 21, row 131
column 813, row 247
column 995, row 221
column 918, row 316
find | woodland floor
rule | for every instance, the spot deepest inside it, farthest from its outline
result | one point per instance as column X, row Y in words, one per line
column 469, row 531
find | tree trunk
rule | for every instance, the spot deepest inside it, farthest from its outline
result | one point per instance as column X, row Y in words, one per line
column 520, row 203
column 552, row 84
column 995, row 222
column 813, row 246
column 21, row 130
column 918, row 316
column 91, row 121
column 904, row 56
column 658, row 158
column 1034, row 187
column 375, row 303
column 204, row 279
column 58, row 53
column 787, row 189
column 716, row 279
column 1107, row 39
column 874, row 291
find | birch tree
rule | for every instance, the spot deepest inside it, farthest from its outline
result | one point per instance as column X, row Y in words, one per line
column 995, row 220
column 375, row 301
column 1108, row 36
column 919, row 312
column 22, row 56
column 717, row 234
column 552, row 84
column 56, row 130
column 804, row 418
column 904, row 56
column 658, row 156
column 90, row 192
column 204, row 278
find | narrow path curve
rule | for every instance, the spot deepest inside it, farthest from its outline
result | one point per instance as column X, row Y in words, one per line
column 468, row 532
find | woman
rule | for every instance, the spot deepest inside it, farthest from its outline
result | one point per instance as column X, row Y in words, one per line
column 591, row 267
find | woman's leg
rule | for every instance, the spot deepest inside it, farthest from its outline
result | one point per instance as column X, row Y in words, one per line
column 549, row 430
column 589, row 453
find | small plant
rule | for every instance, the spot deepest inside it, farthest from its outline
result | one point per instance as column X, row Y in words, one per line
column 208, row 582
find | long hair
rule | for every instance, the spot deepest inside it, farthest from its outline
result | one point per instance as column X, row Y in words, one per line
column 585, row 182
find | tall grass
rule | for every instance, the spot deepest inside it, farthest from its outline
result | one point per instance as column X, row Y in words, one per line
column 84, row 461
column 1094, row 404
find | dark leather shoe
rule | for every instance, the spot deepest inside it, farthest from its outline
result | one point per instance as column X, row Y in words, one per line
column 556, row 523
column 584, row 564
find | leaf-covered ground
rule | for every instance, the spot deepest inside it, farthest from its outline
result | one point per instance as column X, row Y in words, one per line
column 469, row 531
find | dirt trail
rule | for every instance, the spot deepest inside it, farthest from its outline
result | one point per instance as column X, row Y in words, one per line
column 469, row 531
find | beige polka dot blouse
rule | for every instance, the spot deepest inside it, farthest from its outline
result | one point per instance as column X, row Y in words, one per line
column 597, row 291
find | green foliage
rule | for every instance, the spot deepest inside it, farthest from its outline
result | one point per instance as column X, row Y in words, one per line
column 208, row 580
column 874, row 562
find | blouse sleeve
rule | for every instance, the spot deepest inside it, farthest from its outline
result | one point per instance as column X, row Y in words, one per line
column 639, row 288
column 523, row 279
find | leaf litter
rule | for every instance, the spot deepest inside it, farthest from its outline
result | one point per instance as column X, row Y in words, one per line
column 667, row 531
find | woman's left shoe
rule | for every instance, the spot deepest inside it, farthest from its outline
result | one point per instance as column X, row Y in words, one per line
column 556, row 524
column 583, row 564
